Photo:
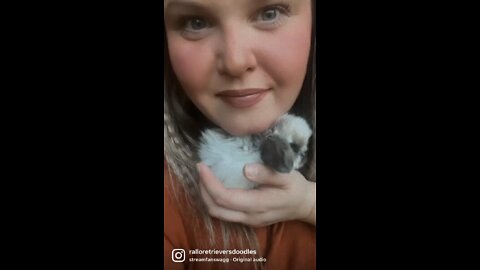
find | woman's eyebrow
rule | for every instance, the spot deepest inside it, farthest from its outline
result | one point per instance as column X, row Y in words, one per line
column 195, row 4
column 184, row 4
column 208, row 7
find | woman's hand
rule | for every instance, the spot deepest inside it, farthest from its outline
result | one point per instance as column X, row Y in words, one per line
column 279, row 197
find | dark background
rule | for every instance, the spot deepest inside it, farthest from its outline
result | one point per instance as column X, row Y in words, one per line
column 83, row 134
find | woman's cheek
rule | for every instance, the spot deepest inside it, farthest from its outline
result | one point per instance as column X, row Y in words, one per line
column 190, row 65
column 292, row 57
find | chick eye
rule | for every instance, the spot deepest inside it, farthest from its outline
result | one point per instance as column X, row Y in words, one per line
column 295, row 147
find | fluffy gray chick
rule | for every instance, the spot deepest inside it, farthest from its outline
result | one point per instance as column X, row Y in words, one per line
column 282, row 148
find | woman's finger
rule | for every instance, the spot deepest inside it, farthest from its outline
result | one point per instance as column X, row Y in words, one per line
column 251, row 219
column 221, row 212
column 265, row 176
column 235, row 199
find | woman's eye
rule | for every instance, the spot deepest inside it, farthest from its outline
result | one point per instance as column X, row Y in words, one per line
column 195, row 24
column 194, row 27
column 270, row 14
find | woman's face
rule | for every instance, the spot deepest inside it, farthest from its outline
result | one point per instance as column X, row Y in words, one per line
column 241, row 62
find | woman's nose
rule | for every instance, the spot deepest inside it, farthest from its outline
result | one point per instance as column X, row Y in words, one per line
column 236, row 56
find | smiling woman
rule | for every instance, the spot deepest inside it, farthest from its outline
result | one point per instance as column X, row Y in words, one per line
column 227, row 46
column 238, row 65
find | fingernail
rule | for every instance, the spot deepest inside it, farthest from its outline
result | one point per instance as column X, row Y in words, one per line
column 251, row 170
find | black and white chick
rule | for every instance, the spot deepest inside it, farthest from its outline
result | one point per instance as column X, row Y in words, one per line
column 283, row 148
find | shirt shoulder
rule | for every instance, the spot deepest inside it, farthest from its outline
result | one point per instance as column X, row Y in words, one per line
column 289, row 245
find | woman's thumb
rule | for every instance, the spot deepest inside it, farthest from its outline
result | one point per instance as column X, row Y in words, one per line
column 261, row 174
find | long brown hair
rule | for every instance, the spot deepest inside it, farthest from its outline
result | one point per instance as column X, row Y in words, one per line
column 183, row 124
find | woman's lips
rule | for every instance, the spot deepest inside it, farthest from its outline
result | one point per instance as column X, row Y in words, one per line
column 242, row 98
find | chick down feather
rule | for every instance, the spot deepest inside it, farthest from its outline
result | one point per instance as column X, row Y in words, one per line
column 283, row 148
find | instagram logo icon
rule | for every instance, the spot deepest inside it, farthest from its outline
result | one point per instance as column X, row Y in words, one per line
column 178, row 255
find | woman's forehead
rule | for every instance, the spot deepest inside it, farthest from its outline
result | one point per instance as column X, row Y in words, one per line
column 214, row 1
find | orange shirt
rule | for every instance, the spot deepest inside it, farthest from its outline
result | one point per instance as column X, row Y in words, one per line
column 286, row 245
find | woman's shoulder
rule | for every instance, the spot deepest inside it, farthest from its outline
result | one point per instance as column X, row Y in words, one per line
column 174, row 227
column 179, row 217
column 288, row 232
column 288, row 245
